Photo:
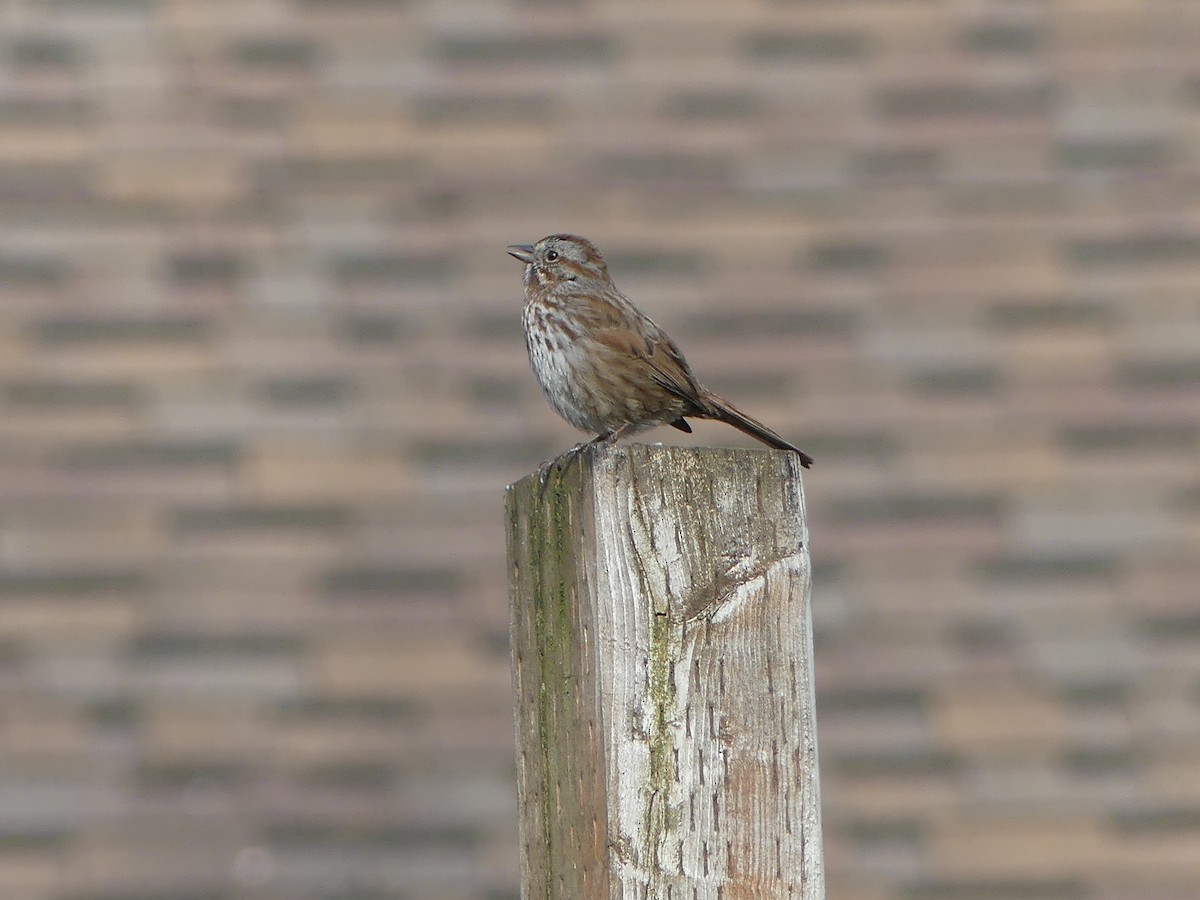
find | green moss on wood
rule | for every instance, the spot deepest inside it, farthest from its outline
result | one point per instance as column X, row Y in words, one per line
column 665, row 636
column 550, row 564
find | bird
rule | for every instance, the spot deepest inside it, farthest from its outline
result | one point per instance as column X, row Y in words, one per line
column 604, row 365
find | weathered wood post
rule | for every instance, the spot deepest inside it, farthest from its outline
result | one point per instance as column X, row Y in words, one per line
column 662, row 661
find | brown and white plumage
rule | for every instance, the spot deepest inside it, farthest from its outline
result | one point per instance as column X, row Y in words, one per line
column 604, row 365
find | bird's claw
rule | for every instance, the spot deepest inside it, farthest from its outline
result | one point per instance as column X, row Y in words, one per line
column 566, row 456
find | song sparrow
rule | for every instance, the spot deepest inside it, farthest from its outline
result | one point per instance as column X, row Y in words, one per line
column 603, row 364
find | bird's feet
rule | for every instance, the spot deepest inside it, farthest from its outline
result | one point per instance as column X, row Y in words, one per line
column 600, row 440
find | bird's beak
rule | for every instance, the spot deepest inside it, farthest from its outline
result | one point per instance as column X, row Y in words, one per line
column 523, row 252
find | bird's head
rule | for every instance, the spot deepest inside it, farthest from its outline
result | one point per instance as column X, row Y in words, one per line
column 560, row 259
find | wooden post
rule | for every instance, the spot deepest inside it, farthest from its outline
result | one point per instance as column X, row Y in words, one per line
column 662, row 661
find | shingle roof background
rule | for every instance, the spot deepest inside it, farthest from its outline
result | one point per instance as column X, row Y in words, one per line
column 262, row 384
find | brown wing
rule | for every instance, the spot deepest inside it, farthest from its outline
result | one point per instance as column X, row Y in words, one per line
column 631, row 334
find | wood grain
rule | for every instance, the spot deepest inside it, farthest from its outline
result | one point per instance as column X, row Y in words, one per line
column 662, row 662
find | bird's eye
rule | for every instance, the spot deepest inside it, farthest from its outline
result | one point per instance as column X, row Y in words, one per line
column 551, row 255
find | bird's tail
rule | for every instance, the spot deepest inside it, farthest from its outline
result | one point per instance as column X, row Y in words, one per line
column 724, row 411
